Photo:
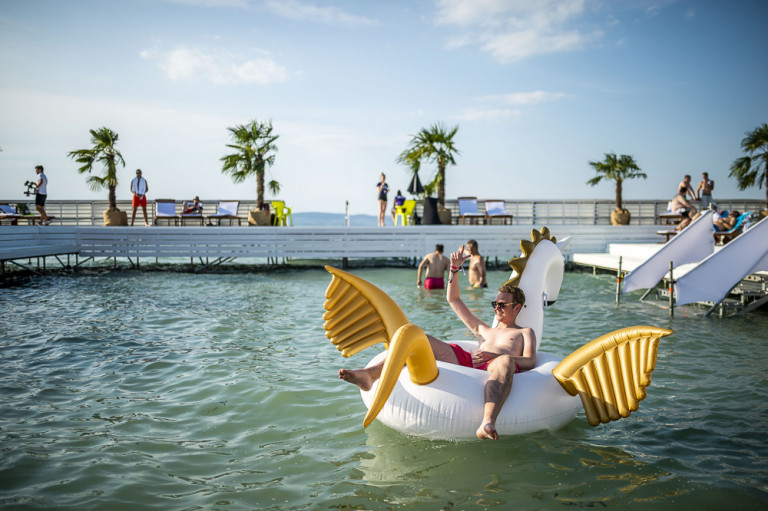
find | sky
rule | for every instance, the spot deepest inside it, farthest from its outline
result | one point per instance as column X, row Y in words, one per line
column 537, row 88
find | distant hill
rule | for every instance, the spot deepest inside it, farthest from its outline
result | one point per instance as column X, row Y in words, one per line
column 332, row 219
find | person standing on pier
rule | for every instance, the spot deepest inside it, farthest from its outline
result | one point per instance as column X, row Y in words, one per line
column 382, row 187
column 139, row 187
column 704, row 190
column 41, row 193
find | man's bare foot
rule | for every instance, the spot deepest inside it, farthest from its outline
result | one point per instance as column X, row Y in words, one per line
column 360, row 377
column 487, row 432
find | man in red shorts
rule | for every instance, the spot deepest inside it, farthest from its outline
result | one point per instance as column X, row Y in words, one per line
column 504, row 350
column 436, row 264
column 139, row 187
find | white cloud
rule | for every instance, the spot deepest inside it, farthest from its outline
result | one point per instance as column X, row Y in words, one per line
column 296, row 10
column 490, row 114
column 525, row 98
column 184, row 63
column 512, row 30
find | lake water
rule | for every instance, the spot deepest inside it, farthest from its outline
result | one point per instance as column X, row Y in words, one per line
column 163, row 390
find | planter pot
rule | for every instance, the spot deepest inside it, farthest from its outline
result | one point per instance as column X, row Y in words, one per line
column 259, row 217
column 444, row 215
column 620, row 217
column 115, row 217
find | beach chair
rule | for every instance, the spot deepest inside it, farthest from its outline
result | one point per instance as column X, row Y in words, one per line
column 281, row 212
column 468, row 210
column 195, row 218
column 165, row 209
column 496, row 208
column 9, row 214
column 227, row 210
column 721, row 238
column 405, row 212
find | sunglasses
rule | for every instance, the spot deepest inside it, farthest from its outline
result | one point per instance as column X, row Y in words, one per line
column 500, row 305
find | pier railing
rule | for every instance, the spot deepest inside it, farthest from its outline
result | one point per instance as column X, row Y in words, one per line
column 525, row 212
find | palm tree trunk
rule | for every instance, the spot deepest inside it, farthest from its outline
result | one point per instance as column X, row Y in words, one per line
column 619, row 203
column 260, row 189
column 441, row 183
column 112, row 198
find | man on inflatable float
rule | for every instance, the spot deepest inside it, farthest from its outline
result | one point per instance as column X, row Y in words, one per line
column 424, row 387
column 503, row 351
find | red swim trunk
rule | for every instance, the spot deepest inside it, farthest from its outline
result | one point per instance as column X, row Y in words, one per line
column 434, row 283
column 465, row 358
column 139, row 202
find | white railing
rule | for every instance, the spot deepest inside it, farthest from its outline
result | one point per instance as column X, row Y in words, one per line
column 495, row 241
column 525, row 212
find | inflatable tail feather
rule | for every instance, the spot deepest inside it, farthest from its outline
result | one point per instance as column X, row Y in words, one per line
column 611, row 372
column 358, row 314
column 409, row 347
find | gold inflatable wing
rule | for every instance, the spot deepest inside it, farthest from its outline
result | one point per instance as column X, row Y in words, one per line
column 611, row 372
column 359, row 315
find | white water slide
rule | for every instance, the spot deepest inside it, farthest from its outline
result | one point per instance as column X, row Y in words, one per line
column 714, row 273
column 693, row 244
column 715, row 276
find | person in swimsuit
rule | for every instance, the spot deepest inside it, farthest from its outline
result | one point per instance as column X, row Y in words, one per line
column 476, row 266
column 503, row 351
column 382, row 187
column 727, row 222
column 704, row 190
column 437, row 264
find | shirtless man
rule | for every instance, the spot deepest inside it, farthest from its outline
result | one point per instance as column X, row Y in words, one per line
column 681, row 206
column 704, row 190
column 436, row 264
column 686, row 183
column 504, row 350
column 476, row 266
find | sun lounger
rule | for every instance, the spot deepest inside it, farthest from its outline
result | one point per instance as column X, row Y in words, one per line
column 165, row 209
column 468, row 210
column 12, row 215
column 227, row 210
column 195, row 218
column 9, row 214
column 496, row 208
column 668, row 234
column 721, row 238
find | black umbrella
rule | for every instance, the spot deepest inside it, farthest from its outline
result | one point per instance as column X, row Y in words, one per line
column 415, row 187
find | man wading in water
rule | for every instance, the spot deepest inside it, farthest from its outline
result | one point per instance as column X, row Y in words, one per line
column 504, row 350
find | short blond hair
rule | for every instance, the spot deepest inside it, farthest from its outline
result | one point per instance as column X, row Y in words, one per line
column 518, row 296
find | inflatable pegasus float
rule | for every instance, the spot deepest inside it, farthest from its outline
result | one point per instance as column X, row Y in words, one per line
column 420, row 396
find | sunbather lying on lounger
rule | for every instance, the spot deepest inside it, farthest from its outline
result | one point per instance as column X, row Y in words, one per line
column 726, row 223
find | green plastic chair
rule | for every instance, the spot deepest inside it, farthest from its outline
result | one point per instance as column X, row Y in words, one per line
column 282, row 213
column 405, row 212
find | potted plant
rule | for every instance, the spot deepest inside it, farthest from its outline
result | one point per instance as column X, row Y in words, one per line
column 617, row 169
column 253, row 144
column 105, row 153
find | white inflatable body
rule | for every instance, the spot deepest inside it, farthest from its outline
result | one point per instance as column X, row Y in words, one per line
column 451, row 407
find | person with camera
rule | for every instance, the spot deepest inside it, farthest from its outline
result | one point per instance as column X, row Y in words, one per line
column 41, row 193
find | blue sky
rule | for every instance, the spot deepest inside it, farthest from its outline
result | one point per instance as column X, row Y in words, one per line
column 537, row 89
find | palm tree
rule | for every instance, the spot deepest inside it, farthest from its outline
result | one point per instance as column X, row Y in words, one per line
column 616, row 169
column 434, row 145
column 253, row 143
column 747, row 174
column 103, row 152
